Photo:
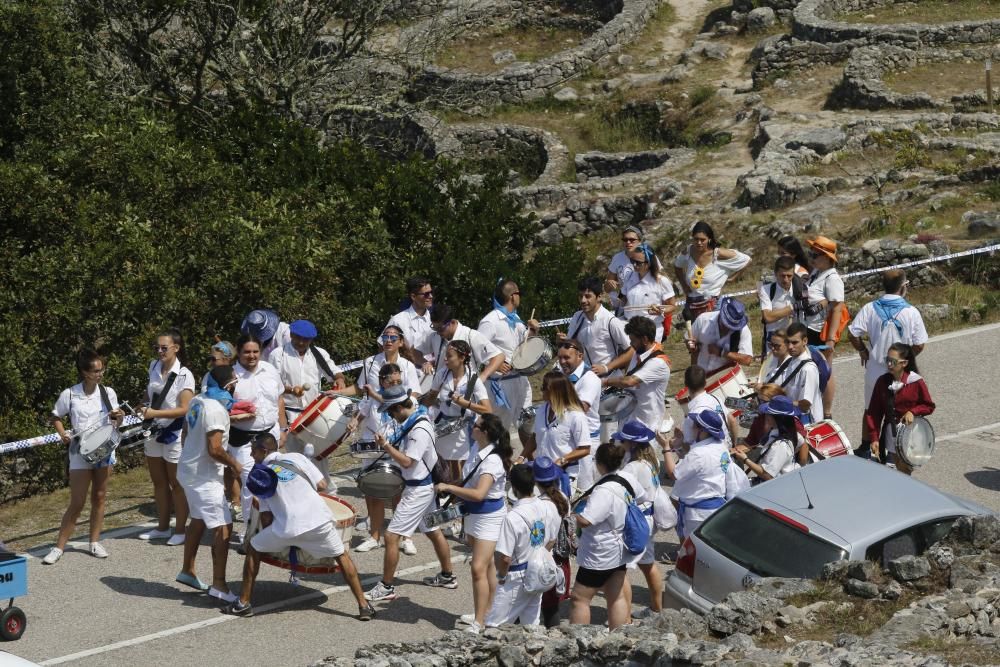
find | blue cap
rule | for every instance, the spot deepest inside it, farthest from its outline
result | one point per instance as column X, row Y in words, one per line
column 781, row 406
column 262, row 481
column 634, row 431
column 303, row 328
column 392, row 396
column 261, row 323
column 710, row 421
column 545, row 469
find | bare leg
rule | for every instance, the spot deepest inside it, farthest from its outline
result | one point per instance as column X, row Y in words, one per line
column 220, row 555
column 180, row 500
column 161, row 491
column 615, row 592
column 352, row 579
column 79, row 484
column 482, row 591
column 251, row 567
column 579, row 611
column 441, row 549
column 192, row 538
column 654, row 580
column 232, row 486
column 391, row 558
column 98, row 494
column 376, row 516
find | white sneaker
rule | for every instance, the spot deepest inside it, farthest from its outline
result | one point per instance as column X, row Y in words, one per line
column 474, row 628
column 98, row 551
column 367, row 545
column 176, row 540
column 408, row 547
column 154, row 535
column 467, row 619
column 54, row 554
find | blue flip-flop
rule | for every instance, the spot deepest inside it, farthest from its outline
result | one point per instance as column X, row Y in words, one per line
column 193, row 582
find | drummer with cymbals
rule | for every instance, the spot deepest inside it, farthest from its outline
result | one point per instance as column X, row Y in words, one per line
column 897, row 398
column 292, row 514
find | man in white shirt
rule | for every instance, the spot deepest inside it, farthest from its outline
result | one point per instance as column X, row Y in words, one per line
column 884, row 321
column 509, row 393
column 585, row 381
column 292, row 514
column 487, row 357
column 777, row 299
column 415, row 321
column 602, row 335
column 700, row 478
column 647, row 375
column 200, row 472
column 721, row 338
column 694, row 381
column 801, row 377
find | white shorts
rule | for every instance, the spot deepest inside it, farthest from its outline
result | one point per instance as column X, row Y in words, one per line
column 208, row 503
column 512, row 603
column 157, row 450
column 485, row 526
column 454, row 446
column 320, row 542
column 245, row 460
column 416, row 503
column 77, row 462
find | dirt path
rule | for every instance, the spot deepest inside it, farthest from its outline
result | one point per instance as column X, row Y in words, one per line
column 688, row 15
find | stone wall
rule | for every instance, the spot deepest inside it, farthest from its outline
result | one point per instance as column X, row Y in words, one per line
column 395, row 135
column 521, row 82
column 603, row 165
column 537, row 155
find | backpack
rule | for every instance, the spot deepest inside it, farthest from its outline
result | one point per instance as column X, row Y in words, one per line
column 824, row 368
column 542, row 573
column 636, row 533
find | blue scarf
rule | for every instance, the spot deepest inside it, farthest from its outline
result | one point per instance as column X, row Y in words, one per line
column 219, row 394
column 574, row 379
column 421, row 411
column 887, row 309
column 513, row 319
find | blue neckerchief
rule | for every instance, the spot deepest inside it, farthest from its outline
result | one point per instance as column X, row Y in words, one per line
column 887, row 309
column 574, row 379
column 513, row 319
column 214, row 391
column 421, row 411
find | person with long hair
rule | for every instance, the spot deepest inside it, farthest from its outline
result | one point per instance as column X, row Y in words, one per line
column 898, row 397
column 549, row 479
column 789, row 246
column 703, row 269
column 561, row 431
column 88, row 404
column 648, row 292
column 482, row 495
column 169, row 391
column 601, row 556
column 783, row 440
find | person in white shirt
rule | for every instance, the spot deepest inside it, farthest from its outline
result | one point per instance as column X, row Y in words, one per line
column 261, row 385
column 800, row 380
column 199, row 471
column 620, row 268
column 721, row 338
column 586, row 383
column 647, row 292
column 700, row 477
column 223, row 353
column 777, row 299
column 292, row 514
column 561, row 429
column 412, row 449
column 694, row 381
column 826, row 311
column 267, row 327
column 486, row 356
column 510, row 393
column 601, row 553
column 647, row 375
column 169, row 391
column 777, row 455
column 88, row 404
column 602, row 335
column 532, row 523
column 553, row 485
column 483, row 495
column 884, row 321
column 414, row 323
column 777, row 359
column 703, row 269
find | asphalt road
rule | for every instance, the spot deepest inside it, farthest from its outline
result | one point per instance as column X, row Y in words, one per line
column 127, row 610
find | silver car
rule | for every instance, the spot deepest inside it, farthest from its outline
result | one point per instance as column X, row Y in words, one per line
column 845, row 508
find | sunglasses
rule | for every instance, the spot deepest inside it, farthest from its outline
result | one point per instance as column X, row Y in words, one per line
column 426, row 294
column 440, row 327
column 160, row 348
column 569, row 346
column 478, row 425
column 775, row 346
column 638, row 262
column 890, row 362
column 99, row 371
column 389, row 339
column 628, row 240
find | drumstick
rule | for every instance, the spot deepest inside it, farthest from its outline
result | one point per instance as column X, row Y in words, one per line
column 532, row 316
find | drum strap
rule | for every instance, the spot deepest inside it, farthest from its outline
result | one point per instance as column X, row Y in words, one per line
column 795, row 371
column 105, row 399
column 321, row 362
column 657, row 352
column 162, row 394
column 779, row 370
column 465, row 481
column 294, row 469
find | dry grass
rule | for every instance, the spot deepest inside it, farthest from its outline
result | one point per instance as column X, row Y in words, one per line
column 529, row 44
column 957, row 652
column 940, row 80
column 928, row 11
column 806, row 90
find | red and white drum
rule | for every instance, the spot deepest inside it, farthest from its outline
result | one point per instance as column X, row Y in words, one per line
column 827, row 438
column 343, row 514
column 724, row 383
column 323, row 422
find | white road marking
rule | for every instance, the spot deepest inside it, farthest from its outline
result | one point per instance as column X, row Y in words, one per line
column 968, row 431
column 853, row 355
column 224, row 618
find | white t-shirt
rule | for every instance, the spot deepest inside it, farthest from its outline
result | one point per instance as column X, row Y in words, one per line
column 705, row 330
column 702, row 473
column 827, row 285
column 805, row 384
column 868, row 323
column 263, row 387
column 646, row 477
column 448, row 391
column 647, row 291
column 482, row 349
column 588, row 390
column 296, row 506
column 157, row 380
column 782, row 299
column 530, row 524
column 491, row 465
column 603, row 339
column 556, row 437
column 651, row 390
column 416, row 329
column 714, row 275
column 282, row 337
column 703, row 401
column 196, row 467
column 495, row 328
column 419, row 445
column 295, row 370
column 601, row 545
column 779, row 455
column 84, row 410
column 375, row 421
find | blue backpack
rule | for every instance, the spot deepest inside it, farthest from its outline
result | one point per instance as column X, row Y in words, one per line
column 824, row 368
column 636, row 533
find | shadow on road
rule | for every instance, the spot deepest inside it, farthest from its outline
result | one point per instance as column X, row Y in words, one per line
column 985, row 479
column 155, row 589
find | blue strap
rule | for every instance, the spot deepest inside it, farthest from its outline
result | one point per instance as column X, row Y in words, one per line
column 649, row 510
column 499, row 393
column 520, row 567
column 418, row 482
column 703, row 504
column 487, row 506
column 171, row 433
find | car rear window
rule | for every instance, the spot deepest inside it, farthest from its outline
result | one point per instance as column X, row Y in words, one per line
column 765, row 545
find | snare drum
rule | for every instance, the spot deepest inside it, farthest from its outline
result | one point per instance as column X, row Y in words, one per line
column 343, row 515
column 440, row 517
column 531, row 356
column 729, row 382
column 365, row 449
column 138, row 435
column 915, row 443
column 381, row 480
column 616, row 404
column 323, row 422
column 827, row 438
column 526, row 420
column 98, row 443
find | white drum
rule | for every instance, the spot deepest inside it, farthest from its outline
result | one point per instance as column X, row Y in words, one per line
column 323, row 422
column 915, row 443
column 730, row 382
column 531, row 356
column 98, row 442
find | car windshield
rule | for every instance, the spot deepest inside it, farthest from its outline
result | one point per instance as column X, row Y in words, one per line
column 765, row 545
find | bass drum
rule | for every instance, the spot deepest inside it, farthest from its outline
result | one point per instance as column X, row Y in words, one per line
column 343, row 515
column 915, row 443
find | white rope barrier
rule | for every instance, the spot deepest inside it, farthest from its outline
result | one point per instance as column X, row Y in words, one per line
column 53, row 438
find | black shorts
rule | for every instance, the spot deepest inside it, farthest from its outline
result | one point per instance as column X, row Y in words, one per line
column 815, row 339
column 595, row 578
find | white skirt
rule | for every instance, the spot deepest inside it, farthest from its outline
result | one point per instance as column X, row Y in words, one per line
column 485, row 526
column 454, row 446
